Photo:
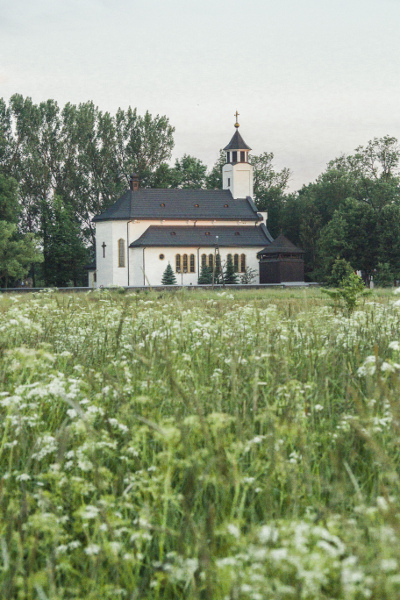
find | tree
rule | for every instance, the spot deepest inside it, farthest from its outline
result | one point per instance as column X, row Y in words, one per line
column 205, row 275
column 383, row 276
column 248, row 276
column 351, row 234
column 269, row 188
column 17, row 253
column 341, row 269
column 230, row 276
column 214, row 177
column 168, row 277
column 64, row 252
column 9, row 206
column 189, row 172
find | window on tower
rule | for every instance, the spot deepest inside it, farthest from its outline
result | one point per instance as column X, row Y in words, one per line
column 228, row 157
column 243, row 157
column 234, row 156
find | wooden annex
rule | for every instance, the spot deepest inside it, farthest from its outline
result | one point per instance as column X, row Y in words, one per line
column 281, row 262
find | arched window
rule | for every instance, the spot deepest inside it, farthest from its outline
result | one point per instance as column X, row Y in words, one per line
column 121, row 253
column 242, row 263
column 229, row 258
column 178, row 263
column 192, row 264
column 236, row 262
column 203, row 260
column 185, row 263
column 211, row 261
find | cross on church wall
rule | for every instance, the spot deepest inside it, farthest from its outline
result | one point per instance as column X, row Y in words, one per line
column 104, row 245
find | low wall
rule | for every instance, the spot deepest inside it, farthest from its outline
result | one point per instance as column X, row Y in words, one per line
column 239, row 286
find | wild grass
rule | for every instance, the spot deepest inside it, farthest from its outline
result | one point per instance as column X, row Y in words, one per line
column 199, row 445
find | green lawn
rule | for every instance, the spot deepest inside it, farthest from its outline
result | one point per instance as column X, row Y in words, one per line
column 230, row 445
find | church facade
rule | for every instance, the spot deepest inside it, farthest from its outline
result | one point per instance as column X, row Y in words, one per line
column 146, row 229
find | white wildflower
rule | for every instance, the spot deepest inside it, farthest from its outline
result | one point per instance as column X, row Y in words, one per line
column 268, row 534
column 389, row 564
column 92, row 549
column 385, row 366
column 90, row 512
column 233, row 530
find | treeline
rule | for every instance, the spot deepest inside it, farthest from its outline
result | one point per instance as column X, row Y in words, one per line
column 61, row 166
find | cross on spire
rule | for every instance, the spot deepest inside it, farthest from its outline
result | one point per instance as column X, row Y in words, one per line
column 237, row 122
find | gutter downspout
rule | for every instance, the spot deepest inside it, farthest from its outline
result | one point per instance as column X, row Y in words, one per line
column 144, row 268
column 127, row 245
column 198, row 264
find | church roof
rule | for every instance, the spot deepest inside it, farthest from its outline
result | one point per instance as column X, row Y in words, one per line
column 237, row 143
column 161, row 235
column 282, row 246
column 153, row 203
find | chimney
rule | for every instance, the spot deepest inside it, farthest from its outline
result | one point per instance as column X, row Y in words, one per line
column 134, row 182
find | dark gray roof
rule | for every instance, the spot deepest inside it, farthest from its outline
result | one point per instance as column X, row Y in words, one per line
column 237, row 143
column 180, row 204
column 161, row 235
column 282, row 246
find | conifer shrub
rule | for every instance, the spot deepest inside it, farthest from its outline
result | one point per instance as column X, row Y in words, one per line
column 205, row 276
column 168, row 277
column 230, row 275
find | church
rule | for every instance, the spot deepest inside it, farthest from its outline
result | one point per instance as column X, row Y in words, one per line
column 147, row 228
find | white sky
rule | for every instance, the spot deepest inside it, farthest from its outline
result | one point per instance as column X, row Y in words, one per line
column 310, row 78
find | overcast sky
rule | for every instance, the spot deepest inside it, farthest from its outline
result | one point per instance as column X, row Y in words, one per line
column 311, row 79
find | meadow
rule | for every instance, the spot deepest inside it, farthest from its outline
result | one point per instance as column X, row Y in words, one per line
column 225, row 445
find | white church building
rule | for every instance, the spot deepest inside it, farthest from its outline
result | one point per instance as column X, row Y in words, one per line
column 146, row 229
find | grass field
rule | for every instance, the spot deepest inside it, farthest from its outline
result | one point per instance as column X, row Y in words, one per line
column 199, row 445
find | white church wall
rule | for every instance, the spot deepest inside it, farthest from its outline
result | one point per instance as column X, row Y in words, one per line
column 120, row 273
column 146, row 267
column 104, row 264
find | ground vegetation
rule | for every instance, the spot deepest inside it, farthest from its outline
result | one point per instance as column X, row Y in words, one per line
column 199, row 444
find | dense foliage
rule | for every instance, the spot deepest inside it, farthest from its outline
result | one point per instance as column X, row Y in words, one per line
column 198, row 445
column 73, row 162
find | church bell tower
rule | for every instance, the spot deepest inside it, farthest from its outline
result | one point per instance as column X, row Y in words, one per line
column 237, row 173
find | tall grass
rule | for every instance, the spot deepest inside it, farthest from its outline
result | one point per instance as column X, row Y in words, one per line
column 199, row 445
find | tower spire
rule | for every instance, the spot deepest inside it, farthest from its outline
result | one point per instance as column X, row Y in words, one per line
column 237, row 122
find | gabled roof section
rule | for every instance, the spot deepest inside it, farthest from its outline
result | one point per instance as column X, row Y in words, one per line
column 195, row 237
column 237, row 143
column 187, row 204
column 282, row 246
